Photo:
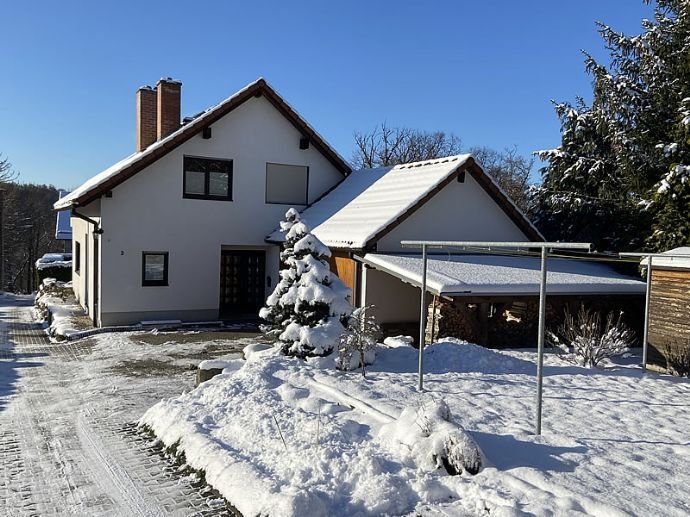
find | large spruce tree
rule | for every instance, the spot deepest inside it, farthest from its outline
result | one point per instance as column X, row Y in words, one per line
column 620, row 177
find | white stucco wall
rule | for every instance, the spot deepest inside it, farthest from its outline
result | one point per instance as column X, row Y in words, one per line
column 461, row 211
column 148, row 213
column 83, row 280
column 394, row 301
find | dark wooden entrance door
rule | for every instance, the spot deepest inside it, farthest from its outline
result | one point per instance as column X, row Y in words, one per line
column 242, row 277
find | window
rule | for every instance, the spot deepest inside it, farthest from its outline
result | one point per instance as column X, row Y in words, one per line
column 154, row 269
column 287, row 184
column 77, row 256
column 207, row 178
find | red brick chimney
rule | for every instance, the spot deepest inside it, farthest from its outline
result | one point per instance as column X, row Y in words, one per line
column 147, row 122
column 169, row 92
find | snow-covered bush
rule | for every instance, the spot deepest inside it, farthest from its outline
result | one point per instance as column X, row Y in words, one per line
column 587, row 340
column 308, row 307
column 432, row 441
column 678, row 358
column 359, row 339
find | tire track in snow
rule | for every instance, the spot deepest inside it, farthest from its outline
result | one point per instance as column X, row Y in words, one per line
column 109, row 474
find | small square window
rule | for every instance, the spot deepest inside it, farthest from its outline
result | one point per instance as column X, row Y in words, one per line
column 287, row 184
column 154, row 268
column 207, row 178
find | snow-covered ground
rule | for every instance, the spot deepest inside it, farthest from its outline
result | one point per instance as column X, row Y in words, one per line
column 285, row 437
column 67, row 412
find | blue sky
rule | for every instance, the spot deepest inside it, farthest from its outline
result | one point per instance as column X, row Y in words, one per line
column 483, row 70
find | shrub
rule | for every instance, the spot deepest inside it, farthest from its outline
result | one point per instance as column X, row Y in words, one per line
column 678, row 358
column 587, row 340
column 358, row 340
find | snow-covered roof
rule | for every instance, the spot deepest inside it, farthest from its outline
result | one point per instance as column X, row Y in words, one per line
column 125, row 168
column 370, row 200
column 494, row 275
column 63, row 228
column 669, row 261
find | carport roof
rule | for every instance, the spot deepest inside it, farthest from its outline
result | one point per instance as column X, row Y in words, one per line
column 495, row 275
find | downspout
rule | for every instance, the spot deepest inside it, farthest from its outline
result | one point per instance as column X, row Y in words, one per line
column 97, row 230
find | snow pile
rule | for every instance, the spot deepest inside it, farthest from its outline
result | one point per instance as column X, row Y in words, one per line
column 220, row 364
column 426, row 436
column 396, row 341
column 282, row 436
column 233, row 427
column 55, row 305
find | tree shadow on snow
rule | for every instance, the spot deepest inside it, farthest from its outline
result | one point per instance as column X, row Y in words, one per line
column 451, row 357
column 505, row 452
column 9, row 375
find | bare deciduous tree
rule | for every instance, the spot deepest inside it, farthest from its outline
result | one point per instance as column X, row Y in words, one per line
column 390, row 146
column 510, row 170
column 7, row 174
column 385, row 146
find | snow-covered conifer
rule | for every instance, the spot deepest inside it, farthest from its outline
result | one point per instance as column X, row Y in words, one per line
column 620, row 176
column 273, row 313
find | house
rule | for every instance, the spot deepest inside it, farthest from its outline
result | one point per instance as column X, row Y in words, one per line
column 176, row 231
column 669, row 309
column 185, row 228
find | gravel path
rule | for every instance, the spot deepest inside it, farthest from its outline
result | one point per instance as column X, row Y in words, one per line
column 68, row 444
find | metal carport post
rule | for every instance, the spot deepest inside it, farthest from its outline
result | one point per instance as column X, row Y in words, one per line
column 487, row 246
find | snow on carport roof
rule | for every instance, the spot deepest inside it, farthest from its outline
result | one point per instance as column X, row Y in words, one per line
column 493, row 275
column 676, row 258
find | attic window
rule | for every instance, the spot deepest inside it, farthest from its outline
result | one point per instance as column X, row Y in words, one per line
column 207, row 178
column 287, row 184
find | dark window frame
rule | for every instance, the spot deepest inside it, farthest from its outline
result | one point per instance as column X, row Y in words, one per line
column 154, row 283
column 77, row 256
column 207, row 195
column 306, row 189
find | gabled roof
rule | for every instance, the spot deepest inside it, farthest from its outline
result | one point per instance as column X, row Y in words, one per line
column 124, row 169
column 371, row 202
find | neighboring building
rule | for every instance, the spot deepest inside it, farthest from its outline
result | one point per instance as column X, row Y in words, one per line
column 63, row 228
column 669, row 308
column 184, row 229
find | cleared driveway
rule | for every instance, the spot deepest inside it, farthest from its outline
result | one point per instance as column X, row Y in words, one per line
column 68, row 444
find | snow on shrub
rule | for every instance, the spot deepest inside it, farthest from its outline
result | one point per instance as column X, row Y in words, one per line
column 358, row 341
column 431, row 441
column 587, row 341
column 308, row 306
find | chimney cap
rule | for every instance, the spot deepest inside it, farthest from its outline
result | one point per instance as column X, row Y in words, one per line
column 169, row 80
column 146, row 87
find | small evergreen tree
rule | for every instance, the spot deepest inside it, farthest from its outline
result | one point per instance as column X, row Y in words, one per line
column 273, row 313
column 309, row 305
column 359, row 339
